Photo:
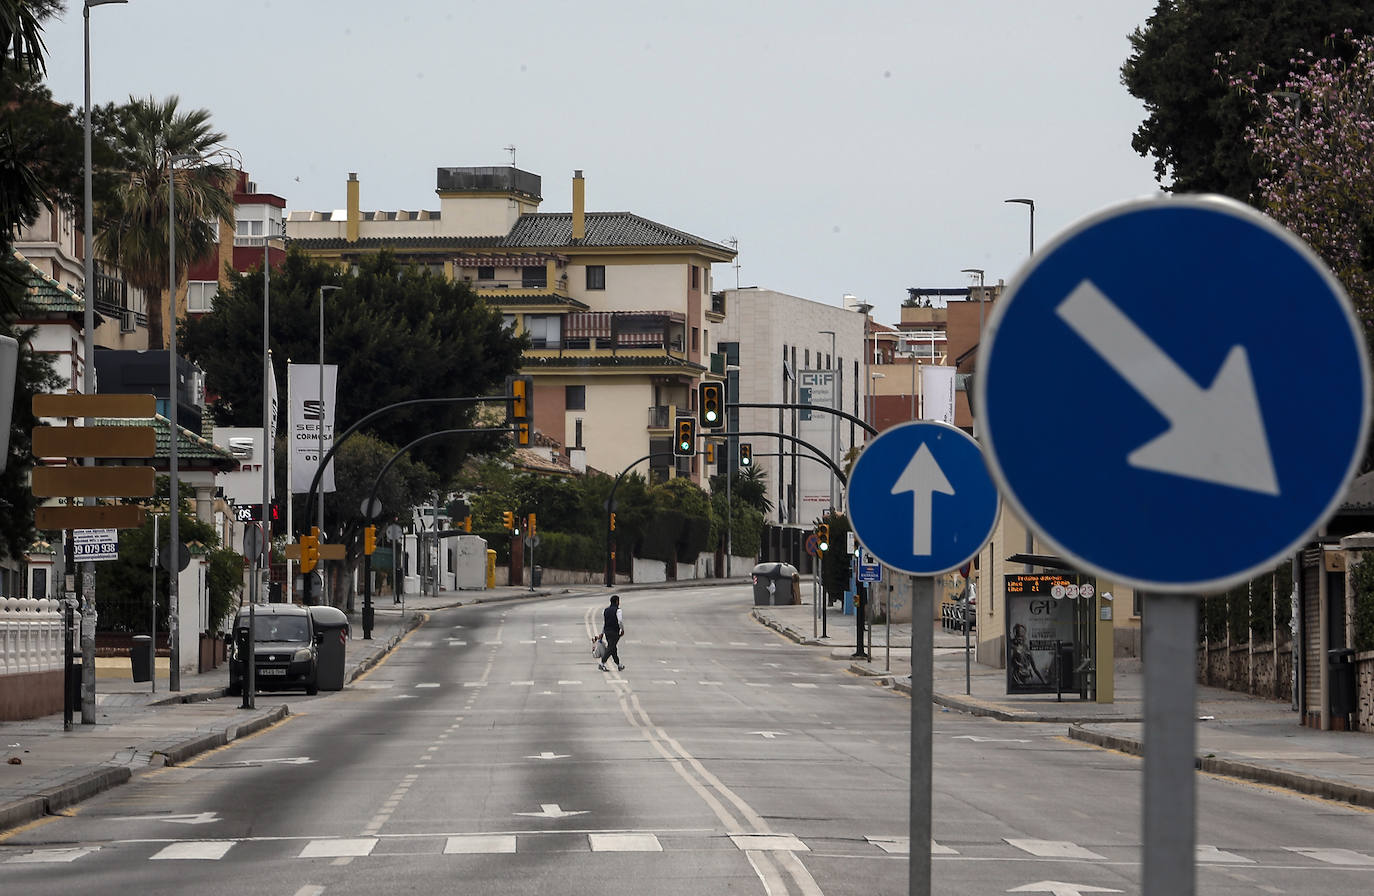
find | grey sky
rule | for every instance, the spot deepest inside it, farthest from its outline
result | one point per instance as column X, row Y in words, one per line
column 859, row 147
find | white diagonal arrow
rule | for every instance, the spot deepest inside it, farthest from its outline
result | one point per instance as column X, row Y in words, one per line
column 551, row 810
column 293, row 760
column 990, row 740
column 198, row 818
column 1216, row 434
column 923, row 478
column 1059, row 888
column 769, row 734
column 547, row 755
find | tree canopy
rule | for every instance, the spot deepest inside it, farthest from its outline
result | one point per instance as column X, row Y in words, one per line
column 1195, row 126
column 396, row 333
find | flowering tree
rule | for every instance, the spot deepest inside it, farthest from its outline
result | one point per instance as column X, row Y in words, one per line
column 1315, row 137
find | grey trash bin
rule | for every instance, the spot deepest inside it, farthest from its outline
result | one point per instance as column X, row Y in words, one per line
column 331, row 632
column 537, row 577
column 141, row 658
column 775, row 584
column 1342, row 690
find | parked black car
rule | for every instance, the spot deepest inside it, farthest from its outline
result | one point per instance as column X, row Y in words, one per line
column 287, row 648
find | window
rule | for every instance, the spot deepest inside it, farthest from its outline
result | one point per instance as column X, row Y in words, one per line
column 696, row 277
column 507, row 322
column 546, row 330
column 485, row 274
column 200, row 295
column 577, row 433
column 596, row 276
column 534, row 278
column 575, row 398
column 696, row 338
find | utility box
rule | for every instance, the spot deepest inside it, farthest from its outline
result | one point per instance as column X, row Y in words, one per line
column 470, row 562
column 331, row 632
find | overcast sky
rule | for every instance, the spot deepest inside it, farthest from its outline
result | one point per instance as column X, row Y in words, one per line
column 850, row 147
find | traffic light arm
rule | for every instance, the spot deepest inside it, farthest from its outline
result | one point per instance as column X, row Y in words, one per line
column 820, row 455
column 802, row 407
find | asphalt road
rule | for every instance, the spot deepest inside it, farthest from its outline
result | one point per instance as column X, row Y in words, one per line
column 488, row 754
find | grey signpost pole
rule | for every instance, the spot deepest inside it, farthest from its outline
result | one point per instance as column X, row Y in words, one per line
column 1170, row 801
column 922, row 729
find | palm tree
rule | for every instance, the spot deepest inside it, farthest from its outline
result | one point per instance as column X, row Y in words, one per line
column 21, row 30
column 147, row 135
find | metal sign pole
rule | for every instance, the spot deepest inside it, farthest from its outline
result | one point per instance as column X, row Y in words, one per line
column 1170, row 802
column 922, row 733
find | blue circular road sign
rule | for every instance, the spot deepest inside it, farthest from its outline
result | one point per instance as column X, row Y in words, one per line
column 920, row 498
column 1174, row 393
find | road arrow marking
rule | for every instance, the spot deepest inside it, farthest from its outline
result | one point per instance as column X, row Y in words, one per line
column 547, row 755
column 1215, row 434
column 990, row 740
column 770, row 734
column 551, row 810
column 294, row 760
column 198, row 818
column 923, row 478
column 1059, row 888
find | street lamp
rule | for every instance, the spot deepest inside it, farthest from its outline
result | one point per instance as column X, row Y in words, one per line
column 88, row 345
column 323, row 290
column 174, row 543
column 1030, row 203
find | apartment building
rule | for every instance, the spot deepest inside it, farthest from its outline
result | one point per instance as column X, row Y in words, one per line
column 618, row 308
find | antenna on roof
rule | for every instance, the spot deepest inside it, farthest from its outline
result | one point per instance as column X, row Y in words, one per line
column 510, row 148
column 733, row 242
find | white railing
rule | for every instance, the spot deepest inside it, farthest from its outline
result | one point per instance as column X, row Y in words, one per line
column 30, row 635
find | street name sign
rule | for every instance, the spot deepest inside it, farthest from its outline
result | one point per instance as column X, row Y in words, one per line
column 1207, row 386
column 920, row 498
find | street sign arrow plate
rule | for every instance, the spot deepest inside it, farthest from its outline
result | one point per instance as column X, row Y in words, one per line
column 920, row 498
column 1141, row 403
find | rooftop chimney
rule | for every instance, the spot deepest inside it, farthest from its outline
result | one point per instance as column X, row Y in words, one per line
column 354, row 215
column 579, row 222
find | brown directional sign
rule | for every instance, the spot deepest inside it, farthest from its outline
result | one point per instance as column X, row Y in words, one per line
column 93, row 482
column 105, row 516
column 94, row 441
column 77, row 405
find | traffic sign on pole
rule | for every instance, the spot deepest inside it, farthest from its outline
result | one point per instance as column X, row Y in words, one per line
column 920, row 498
column 1141, row 405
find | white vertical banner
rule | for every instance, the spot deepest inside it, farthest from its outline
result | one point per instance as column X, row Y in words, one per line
column 310, row 415
column 269, row 438
column 937, row 393
column 818, row 388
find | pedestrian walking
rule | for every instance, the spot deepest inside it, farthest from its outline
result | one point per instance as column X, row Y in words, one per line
column 612, row 629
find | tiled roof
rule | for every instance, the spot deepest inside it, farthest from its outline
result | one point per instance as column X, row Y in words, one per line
column 190, row 447
column 45, row 293
column 610, row 229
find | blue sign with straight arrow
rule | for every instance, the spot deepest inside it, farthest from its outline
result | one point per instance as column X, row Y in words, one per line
column 920, row 498
column 1175, row 393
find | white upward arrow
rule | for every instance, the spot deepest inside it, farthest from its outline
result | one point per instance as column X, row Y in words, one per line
column 1059, row 888
column 1215, row 434
column 550, row 810
column 923, row 478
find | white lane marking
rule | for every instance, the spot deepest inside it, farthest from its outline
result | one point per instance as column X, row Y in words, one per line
column 52, row 855
column 553, row 810
column 562, row 640
column 703, row 643
column 902, row 845
column 757, row 684
column 474, row 684
column 474, row 844
column 310, row 890
column 630, row 842
column 739, row 643
column 199, row 817
column 194, row 849
column 330, row 849
column 454, row 642
column 769, row 735
column 770, row 842
column 711, row 683
column 804, row 684
column 547, row 755
column 1212, row 855
column 522, row 684
column 531, row 641
column 428, row 684
column 664, row 681
column 565, row 681
column 492, row 643
column 1333, row 856
column 1054, row 849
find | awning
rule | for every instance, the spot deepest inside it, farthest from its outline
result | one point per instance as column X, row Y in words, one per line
column 504, row 261
column 588, row 325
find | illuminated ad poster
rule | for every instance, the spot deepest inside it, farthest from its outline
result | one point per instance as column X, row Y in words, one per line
column 1039, row 613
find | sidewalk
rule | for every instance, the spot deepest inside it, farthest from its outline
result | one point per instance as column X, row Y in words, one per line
column 44, row 769
column 1237, row 735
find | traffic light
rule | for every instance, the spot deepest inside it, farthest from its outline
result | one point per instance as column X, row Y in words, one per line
column 710, row 452
column 521, row 392
column 369, row 540
column 711, row 405
column 746, row 454
column 508, row 519
column 522, row 434
column 467, row 523
column 531, row 524
column 310, row 550
column 685, row 444
column 612, row 520
column 823, row 537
